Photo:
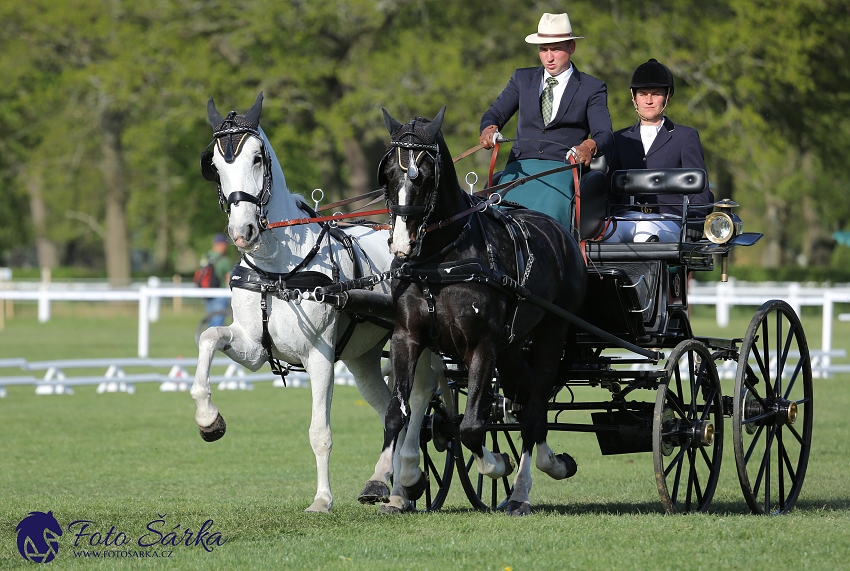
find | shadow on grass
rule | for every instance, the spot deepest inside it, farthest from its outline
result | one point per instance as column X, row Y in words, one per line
column 644, row 508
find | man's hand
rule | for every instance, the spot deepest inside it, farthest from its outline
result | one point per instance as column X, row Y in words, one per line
column 486, row 138
column 585, row 152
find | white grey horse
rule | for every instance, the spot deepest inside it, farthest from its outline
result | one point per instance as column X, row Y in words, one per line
column 253, row 191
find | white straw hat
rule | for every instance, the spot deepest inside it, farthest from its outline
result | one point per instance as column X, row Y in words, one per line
column 553, row 28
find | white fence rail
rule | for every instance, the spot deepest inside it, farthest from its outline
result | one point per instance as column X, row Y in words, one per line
column 56, row 377
column 723, row 296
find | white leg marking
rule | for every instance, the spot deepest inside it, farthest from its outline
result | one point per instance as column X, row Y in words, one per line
column 522, row 481
column 490, row 465
column 549, row 463
column 321, row 384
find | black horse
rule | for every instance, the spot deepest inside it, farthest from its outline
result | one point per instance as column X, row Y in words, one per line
column 462, row 271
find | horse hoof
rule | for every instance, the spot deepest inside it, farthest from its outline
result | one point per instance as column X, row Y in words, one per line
column 392, row 509
column 374, row 492
column 318, row 507
column 572, row 467
column 415, row 491
column 509, row 464
column 515, row 508
column 214, row 431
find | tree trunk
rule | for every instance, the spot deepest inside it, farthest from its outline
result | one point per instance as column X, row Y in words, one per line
column 48, row 255
column 116, row 245
column 773, row 235
column 358, row 171
column 160, row 249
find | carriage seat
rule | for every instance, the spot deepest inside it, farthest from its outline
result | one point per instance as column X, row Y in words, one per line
column 659, row 181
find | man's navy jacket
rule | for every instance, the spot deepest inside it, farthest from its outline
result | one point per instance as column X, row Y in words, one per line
column 675, row 147
column 583, row 111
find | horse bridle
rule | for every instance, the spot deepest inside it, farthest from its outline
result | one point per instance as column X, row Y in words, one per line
column 223, row 139
column 411, row 141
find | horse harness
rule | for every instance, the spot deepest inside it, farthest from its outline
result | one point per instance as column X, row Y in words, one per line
column 289, row 287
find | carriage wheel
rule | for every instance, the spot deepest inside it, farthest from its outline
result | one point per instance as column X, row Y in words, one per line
column 437, row 445
column 772, row 414
column 687, row 431
column 485, row 493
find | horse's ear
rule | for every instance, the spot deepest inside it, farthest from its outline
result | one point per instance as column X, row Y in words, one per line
column 253, row 114
column 213, row 114
column 392, row 124
column 434, row 126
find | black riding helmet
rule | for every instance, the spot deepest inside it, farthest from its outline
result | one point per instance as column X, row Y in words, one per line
column 652, row 74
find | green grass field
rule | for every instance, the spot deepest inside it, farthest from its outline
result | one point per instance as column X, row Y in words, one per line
column 128, row 460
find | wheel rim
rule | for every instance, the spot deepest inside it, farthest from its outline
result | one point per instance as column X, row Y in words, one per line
column 772, row 414
column 687, row 433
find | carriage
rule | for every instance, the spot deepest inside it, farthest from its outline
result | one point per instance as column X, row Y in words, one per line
column 658, row 383
column 660, row 390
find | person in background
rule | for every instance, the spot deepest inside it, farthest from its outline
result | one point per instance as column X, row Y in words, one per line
column 215, row 272
column 655, row 142
column 560, row 109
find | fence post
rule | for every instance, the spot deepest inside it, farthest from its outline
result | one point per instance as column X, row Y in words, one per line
column 5, row 276
column 177, row 301
column 153, row 309
column 794, row 297
column 723, row 292
column 144, row 323
column 44, row 299
column 826, row 330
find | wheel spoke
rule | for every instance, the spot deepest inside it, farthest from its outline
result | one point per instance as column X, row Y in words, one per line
column 796, row 434
column 753, row 444
column 676, row 460
column 791, row 473
column 678, row 477
column 780, row 451
column 765, row 462
column 673, row 401
column 708, row 461
column 793, row 380
column 707, row 407
column 780, row 361
column 694, row 478
column 429, row 461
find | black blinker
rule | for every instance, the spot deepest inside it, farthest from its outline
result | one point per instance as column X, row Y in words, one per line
column 208, row 170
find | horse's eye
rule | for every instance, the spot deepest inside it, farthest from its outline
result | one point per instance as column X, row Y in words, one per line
column 257, row 159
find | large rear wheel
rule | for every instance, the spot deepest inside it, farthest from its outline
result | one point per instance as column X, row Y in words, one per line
column 772, row 414
column 687, row 431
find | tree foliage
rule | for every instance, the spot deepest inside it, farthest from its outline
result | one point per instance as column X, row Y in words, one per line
column 104, row 105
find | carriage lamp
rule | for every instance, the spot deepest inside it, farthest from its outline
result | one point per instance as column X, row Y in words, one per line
column 722, row 225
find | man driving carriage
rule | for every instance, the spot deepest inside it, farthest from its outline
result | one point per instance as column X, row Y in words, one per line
column 560, row 108
column 655, row 142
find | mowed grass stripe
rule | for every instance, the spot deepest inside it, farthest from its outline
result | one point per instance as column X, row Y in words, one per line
column 124, row 459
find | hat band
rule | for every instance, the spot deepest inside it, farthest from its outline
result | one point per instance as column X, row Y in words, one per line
column 567, row 35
